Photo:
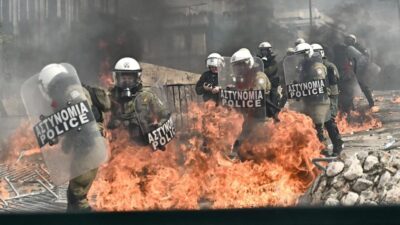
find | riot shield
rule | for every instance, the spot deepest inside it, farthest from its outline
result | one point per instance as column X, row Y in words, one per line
column 64, row 125
column 243, row 86
column 154, row 116
column 306, row 87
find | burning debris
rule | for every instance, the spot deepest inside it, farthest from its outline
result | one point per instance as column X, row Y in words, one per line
column 194, row 173
column 364, row 178
column 356, row 121
column 26, row 188
column 21, row 142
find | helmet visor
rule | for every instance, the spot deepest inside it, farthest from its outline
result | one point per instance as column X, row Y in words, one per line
column 127, row 79
column 240, row 69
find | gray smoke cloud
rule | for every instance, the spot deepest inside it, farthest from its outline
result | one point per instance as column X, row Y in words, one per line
column 98, row 36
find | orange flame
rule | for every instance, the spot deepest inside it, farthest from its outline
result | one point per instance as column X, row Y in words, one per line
column 194, row 172
column 106, row 79
column 4, row 194
column 22, row 140
column 358, row 121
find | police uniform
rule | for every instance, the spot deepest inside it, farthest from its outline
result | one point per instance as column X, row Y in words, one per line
column 331, row 126
column 347, row 78
column 126, row 113
column 78, row 187
column 321, row 108
column 271, row 70
column 252, row 117
column 207, row 78
column 359, row 58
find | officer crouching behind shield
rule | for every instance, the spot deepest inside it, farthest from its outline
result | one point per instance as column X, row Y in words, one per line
column 60, row 85
column 137, row 109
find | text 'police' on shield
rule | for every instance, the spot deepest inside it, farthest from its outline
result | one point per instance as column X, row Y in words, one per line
column 67, row 119
column 305, row 89
column 243, row 99
column 162, row 135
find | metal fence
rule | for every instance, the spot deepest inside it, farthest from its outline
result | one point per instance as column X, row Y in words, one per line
column 180, row 96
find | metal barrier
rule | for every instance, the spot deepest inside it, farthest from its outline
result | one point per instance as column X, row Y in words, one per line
column 180, row 96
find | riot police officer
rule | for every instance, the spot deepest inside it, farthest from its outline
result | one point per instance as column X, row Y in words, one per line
column 207, row 85
column 58, row 85
column 332, row 80
column 271, row 70
column 299, row 41
column 358, row 57
column 318, row 106
column 134, row 107
column 248, row 78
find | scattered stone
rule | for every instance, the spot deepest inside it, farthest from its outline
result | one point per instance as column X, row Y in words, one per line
column 385, row 158
column 363, row 178
column 370, row 203
column 392, row 196
column 361, row 185
column 384, row 179
column 396, row 162
column 350, row 160
column 370, row 162
column 396, row 178
column 334, row 168
column 350, row 199
column 332, row 202
column 368, row 195
column 391, row 170
column 362, row 156
column 354, row 171
column 338, row 182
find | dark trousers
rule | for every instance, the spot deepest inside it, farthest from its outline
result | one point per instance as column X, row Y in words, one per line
column 367, row 91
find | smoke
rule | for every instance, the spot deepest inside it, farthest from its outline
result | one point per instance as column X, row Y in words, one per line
column 247, row 25
column 170, row 33
column 376, row 26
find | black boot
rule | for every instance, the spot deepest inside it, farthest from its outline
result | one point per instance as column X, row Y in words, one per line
column 335, row 136
column 337, row 148
column 368, row 94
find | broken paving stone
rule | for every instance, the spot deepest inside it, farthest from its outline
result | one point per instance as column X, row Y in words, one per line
column 338, row 182
column 396, row 162
column 334, row 168
column 396, row 178
column 332, row 202
column 370, row 162
column 354, row 186
column 370, row 203
column 392, row 196
column 385, row 158
column 362, row 156
column 384, row 179
column 361, row 185
column 350, row 199
column 391, row 170
column 354, row 171
column 368, row 195
column 350, row 160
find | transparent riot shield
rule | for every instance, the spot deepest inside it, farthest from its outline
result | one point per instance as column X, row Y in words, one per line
column 306, row 87
column 243, row 85
column 154, row 116
column 64, row 125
